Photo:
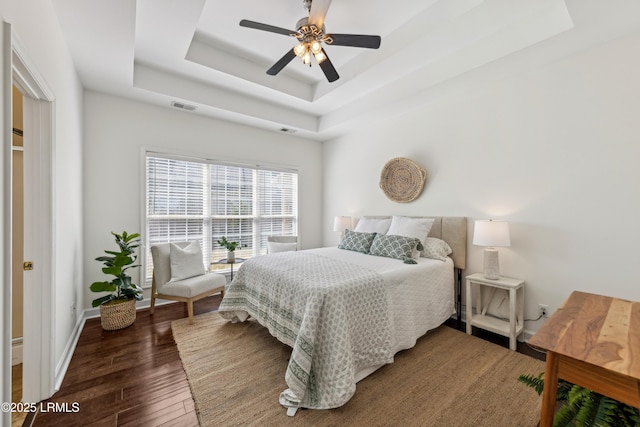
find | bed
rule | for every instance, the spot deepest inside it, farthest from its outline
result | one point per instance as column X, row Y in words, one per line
column 345, row 313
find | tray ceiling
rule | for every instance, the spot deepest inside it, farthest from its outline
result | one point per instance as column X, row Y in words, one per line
column 195, row 53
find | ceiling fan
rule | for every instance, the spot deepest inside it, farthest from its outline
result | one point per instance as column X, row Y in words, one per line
column 311, row 34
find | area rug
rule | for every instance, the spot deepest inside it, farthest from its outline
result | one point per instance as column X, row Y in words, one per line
column 236, row 372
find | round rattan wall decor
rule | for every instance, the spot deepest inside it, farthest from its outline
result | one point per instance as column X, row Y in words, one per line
column 402, row 179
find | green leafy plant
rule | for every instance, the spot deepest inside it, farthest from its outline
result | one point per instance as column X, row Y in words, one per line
column 230, row 246
column 581, row 407
column 117, row 263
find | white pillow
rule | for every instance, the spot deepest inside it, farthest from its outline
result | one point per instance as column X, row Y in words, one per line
column 436, row 249
column 275, row 247
column 373, row 225
column 411, row 227
column 186, row 262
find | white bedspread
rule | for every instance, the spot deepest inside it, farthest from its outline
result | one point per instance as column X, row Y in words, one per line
column 339, row 333
column 421, row 296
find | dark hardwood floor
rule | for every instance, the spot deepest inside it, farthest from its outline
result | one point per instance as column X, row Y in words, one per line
column 134, row 377
column 130, row 377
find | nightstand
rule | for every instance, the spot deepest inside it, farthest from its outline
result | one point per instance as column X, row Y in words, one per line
column 512, row 327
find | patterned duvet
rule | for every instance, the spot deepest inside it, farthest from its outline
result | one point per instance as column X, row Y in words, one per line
column 342, row 312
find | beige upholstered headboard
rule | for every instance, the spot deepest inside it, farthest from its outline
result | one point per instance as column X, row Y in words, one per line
column 451, row 229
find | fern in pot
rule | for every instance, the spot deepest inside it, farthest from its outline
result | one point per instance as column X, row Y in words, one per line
column 118, row 308
column 581, row 407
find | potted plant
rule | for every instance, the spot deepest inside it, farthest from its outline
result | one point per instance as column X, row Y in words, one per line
column 579, row 406
column 118, row 308
column 231, row 247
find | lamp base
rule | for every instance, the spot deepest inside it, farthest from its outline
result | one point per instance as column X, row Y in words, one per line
column 491, row 264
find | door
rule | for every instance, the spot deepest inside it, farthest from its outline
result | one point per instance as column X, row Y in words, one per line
column 38, row 358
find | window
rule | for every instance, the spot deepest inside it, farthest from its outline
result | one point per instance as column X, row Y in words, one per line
column 197, row 199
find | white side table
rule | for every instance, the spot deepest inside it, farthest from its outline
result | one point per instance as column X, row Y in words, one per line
column 511, row 328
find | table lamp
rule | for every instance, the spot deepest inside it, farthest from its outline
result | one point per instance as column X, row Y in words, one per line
column 490, row 233
column 340, row 223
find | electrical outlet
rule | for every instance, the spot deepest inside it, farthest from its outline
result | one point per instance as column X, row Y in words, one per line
column 543, row 310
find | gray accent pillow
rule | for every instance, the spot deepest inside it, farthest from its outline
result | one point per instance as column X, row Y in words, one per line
column 399, row 247
column 186, row 262
column 436, row 249
column 356, row 241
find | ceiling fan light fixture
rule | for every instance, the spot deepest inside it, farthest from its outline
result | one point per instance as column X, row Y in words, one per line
column 320, row 57
column 300, row 49
column 306, row 59
column 316, row 47
column 311, row 34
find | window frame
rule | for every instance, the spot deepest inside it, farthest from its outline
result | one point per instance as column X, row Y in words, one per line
column 258, row 240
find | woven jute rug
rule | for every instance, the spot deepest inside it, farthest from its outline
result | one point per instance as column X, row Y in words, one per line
column 236, row 372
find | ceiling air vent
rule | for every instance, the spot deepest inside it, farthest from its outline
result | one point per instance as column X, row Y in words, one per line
column 182, row 106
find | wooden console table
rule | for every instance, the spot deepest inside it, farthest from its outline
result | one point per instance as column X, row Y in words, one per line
column 592, row 341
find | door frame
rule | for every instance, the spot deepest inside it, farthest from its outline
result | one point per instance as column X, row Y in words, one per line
column 5, row 218
column 39, row 283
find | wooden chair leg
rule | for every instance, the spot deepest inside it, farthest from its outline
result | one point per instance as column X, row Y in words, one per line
column 190, row 311
column 153, row 293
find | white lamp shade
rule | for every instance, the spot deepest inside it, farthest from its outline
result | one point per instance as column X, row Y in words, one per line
column 491, row 233
column 342, row 222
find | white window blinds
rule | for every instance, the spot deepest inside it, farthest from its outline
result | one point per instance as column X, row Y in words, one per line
column 196, row 199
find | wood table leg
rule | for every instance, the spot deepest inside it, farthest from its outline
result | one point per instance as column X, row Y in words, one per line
column 550, row 390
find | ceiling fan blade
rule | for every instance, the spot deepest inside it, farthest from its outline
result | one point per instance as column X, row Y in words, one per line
column 318, row 12
column 356, row 40
column 328, row 69
column 265, row 27
column 282, row 62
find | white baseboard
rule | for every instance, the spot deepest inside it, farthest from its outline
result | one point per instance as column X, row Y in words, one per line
column 67, row 354
column 92, row 313
column 16, row 351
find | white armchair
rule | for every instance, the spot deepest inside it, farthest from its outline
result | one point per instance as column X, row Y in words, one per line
column 179, row 275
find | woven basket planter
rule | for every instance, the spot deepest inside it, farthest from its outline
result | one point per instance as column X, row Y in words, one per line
column 118, row 316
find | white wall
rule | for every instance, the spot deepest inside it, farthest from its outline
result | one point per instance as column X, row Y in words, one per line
column 116, row 130
column 554, row 150
column 36, row 26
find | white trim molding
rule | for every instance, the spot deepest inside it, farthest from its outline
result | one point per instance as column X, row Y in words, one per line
column 67, row 354
column 39, row 283
column 5, row 219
